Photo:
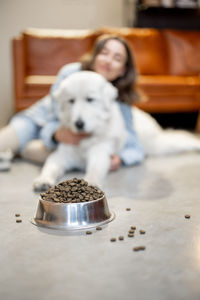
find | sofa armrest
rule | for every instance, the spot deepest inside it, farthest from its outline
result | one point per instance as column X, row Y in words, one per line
column 18, row 68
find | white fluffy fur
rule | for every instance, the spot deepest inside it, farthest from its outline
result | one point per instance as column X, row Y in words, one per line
column 94, row 105
column 102, row 119
column 158, row 141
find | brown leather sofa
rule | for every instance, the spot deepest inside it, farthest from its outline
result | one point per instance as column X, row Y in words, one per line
column 167, row 62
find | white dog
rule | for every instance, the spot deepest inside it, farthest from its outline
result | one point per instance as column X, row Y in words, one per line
column 158, row 141
column 87, row 103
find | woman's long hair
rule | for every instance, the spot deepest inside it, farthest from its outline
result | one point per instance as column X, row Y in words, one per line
column 126, row 83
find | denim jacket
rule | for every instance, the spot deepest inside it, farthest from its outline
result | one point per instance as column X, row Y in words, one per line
column 45, row 114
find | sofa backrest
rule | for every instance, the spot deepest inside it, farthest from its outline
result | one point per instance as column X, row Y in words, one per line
column 184, row 52
column 156, row 52
column 46, row 51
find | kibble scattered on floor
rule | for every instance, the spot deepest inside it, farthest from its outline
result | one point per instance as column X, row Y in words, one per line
column 88, row 232
column 139, row 248
column 187, row 216
column 98, row 228
column 18, row 221
column 78, row 190
column 130, row 235
column 113, row 239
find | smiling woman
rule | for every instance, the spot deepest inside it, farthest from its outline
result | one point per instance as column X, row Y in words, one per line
column 112, row 58
column 110, row 62
column 35, row 132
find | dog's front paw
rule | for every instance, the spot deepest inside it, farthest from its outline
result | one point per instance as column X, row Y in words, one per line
column 42, row 184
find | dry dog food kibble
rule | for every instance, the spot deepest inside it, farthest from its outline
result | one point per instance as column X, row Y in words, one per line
column 187, row 216
column 88, row 232
column 18, row 221
column 99, row 228
column 121, row 238
column 72, row 191
column 142, row 231
column 130, row 235
column 17, row 215
column 113, row 239
column 128, row 208
column 139, row 248
column 133, row 227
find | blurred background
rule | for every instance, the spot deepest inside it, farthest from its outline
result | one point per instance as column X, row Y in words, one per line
column 15, row 16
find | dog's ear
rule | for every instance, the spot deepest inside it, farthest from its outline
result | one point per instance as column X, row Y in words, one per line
column 59, row 93
column 110, row 93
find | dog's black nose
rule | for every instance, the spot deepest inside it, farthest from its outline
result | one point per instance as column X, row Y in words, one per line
column 79, row 124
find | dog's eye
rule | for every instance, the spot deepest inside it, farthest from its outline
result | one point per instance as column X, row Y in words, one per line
column 89, row 99
column 71, row 101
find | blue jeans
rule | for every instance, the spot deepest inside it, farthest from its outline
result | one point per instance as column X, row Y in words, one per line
column 26, row 129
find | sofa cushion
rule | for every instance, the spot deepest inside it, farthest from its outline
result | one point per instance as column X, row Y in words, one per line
column 184, row 52
column 170, row 93
column 148, row 47
column 46, row 51
column 170, row 85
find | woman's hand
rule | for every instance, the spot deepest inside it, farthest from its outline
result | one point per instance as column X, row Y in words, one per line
column 115, row 162
column 64, row 135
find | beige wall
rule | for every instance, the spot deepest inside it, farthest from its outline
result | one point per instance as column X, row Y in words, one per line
column 15, row 15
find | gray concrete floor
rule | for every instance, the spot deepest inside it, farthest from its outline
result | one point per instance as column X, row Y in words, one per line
column 47, row 264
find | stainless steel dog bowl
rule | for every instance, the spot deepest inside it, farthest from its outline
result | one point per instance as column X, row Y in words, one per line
column 72, row 216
